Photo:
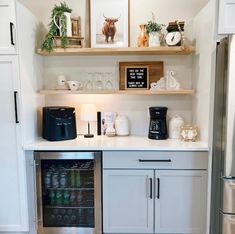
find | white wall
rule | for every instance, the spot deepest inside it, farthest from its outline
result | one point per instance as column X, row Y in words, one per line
column 76, row 68
column 134, row 106
column 140, row 11
column 203, row 68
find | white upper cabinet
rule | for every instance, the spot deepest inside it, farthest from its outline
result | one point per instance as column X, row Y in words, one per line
column 226, row 19
column 7, row 27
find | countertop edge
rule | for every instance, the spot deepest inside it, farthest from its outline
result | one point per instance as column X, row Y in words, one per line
column 103, row 143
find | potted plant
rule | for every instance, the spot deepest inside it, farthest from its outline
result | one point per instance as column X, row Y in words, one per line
column 154, row 29
column 59, row 18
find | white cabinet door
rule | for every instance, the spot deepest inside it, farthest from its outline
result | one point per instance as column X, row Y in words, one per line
column 180, row 201
column 226, row 17
column 127, row 201
column 13, row 212
column 7, row 27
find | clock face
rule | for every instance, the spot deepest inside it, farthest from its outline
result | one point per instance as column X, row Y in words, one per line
column 173, row 38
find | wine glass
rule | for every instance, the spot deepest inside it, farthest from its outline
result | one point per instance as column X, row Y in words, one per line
column 89, row 84
column 98, row 82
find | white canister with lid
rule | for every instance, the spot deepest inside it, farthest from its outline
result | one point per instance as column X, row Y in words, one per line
column 122, row 125
column 175, row 124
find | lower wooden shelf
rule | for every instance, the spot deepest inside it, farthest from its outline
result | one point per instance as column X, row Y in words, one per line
column 158, row 50
column 123, row 92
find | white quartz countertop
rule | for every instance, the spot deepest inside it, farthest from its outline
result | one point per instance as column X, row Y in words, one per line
column 116, row 143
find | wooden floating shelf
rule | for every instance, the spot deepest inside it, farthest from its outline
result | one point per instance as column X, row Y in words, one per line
column 124, row 92
column 160, row 50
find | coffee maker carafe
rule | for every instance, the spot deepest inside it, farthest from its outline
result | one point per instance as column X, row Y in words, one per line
column 157, row 125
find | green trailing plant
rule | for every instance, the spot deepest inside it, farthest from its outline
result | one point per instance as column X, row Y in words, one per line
column 58, row 12
column 153, row 26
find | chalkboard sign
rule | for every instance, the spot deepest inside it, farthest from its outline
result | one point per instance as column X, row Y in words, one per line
column 137, row 77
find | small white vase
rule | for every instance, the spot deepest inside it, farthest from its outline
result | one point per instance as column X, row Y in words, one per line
column 68, row 24
column 154, row 39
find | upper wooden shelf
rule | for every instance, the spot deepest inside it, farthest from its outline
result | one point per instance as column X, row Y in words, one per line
column 124, row 92
column 160, row 50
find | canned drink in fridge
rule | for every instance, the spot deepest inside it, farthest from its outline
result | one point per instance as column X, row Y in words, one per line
column 63, row 180
column 72, row 178
column 47, row 179
column 72, row 199
column 52, row 197
column 59, row 198
column 55, row 180
column 78, row 179
column 66, row 197
column 79, row 198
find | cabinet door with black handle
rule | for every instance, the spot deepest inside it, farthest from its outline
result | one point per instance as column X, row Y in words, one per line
column 8, row 27
column 13, row 202
column 180, row 201
column 128, row 198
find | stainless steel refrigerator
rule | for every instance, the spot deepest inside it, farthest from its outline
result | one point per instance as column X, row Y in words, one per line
column 223, row 163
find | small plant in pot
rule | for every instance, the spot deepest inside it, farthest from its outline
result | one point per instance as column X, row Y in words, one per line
column 57, row 27
column 154, row 29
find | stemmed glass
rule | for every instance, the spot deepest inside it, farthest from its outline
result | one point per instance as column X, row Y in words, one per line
column 89, row 83
column 98, row 81
column 108, row 83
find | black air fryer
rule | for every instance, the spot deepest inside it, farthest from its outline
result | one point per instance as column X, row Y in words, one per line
column 59, row 123
column 157, row 125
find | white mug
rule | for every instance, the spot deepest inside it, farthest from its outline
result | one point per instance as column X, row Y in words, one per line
column 73, row 85
column 61, row 80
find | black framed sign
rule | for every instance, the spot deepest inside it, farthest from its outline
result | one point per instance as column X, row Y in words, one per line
column 137, row 77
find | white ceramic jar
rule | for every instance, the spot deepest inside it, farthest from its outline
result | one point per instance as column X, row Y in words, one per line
column 122, row 125
column 175, row 124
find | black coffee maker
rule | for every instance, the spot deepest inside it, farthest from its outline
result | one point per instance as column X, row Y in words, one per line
column 157, row 125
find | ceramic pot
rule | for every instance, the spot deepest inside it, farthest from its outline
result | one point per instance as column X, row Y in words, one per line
column 143, row 37
column 154, row 39
column 122, row 125
column 175, row 124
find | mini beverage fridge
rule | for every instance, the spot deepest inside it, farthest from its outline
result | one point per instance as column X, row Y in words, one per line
column 68, row 187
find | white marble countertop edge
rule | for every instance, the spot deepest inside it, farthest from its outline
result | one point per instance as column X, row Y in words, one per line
column 104, row 143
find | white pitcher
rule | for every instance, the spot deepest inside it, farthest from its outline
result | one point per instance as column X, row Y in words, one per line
column 68, row 24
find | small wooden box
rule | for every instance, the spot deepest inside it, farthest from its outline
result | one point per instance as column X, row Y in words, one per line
column 74, row 42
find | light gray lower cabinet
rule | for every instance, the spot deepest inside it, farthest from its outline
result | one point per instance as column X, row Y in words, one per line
column 127, row 205
column 154, row 200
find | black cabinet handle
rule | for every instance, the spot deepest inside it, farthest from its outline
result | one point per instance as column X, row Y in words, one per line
column 150, row 188
column 154, row 160
column 16, row 107
column 11, row 33
column 158, row 188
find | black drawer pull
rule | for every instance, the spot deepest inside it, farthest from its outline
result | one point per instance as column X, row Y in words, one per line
column 151, row 188
column 11, row 32
column 158, row 188
column 155, row 160
column 16, row 107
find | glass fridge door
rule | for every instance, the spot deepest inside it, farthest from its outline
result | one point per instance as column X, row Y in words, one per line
column 67, row 194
